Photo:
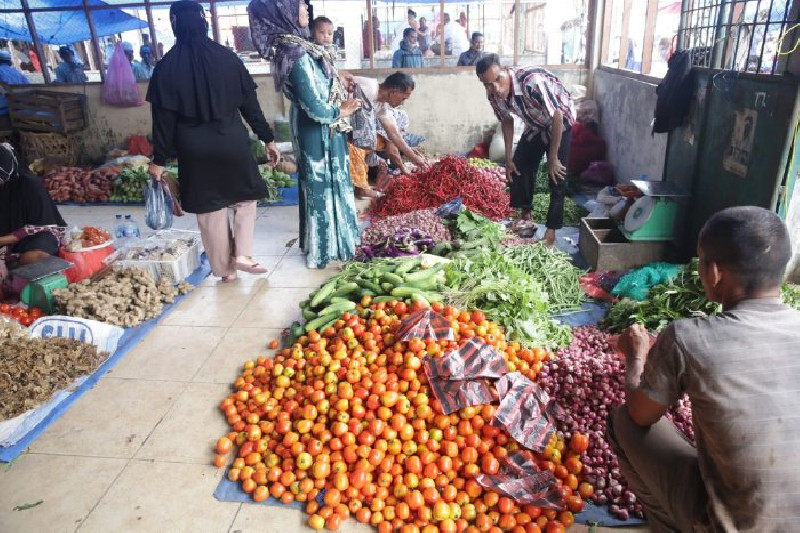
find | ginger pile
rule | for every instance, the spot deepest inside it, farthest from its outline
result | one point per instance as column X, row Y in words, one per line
column 124, row 298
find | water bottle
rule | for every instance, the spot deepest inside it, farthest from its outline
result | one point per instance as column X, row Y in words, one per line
column 131, row 227
column 119, row 227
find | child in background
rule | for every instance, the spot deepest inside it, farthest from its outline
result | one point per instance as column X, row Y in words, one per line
column 322, row 33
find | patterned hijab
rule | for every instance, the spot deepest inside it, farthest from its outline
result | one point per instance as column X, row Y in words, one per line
column 279, row 38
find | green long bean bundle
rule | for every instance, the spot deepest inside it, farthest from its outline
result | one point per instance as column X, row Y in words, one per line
column 554, row 271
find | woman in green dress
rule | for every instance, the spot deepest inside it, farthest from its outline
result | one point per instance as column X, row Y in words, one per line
column 306, row 75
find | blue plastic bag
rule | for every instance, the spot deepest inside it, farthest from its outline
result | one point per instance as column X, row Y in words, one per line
column 158, row 205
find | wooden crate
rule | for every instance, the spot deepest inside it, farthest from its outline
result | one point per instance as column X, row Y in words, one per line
column 47, row 111
column 56, row 147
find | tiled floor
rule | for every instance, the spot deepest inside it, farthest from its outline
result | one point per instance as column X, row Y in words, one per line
column 133, row 454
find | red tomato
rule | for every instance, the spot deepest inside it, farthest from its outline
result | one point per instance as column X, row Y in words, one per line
column 35, row 313
column 5, row 309
column 25, row 321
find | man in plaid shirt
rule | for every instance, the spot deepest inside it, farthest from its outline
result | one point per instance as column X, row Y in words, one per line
column 544, row 104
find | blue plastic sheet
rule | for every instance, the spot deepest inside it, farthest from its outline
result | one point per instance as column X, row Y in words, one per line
column 131, row 337
column 65, row 27
column 599, row 515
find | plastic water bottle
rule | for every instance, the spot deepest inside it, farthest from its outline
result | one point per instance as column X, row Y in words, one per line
column 119, row 227
column 131, row 227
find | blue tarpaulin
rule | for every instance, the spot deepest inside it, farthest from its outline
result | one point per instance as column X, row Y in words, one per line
column 65, row 27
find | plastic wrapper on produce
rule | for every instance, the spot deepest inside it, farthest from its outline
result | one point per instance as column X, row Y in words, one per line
column 451, row 208
column 473, row 360
column 524, row 412
column 520, row 479
column 427, row 325
column 455, row 395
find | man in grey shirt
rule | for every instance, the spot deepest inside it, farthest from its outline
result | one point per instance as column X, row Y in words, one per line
column 741, row 371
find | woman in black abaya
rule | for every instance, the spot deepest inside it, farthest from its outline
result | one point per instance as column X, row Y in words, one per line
column 30, row 225
column 198, row 93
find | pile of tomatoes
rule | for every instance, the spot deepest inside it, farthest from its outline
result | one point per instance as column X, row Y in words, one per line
column 344, row 420
column 25, row 317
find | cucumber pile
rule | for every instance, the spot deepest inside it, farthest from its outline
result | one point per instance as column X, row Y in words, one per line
column 381, row 280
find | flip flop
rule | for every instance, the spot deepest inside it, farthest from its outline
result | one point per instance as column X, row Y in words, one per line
column 251, row 268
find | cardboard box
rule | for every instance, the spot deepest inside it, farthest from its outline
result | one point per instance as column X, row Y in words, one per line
column 604, row 246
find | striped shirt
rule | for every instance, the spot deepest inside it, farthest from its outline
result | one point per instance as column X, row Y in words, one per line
column 535, row 96
column 741, row 370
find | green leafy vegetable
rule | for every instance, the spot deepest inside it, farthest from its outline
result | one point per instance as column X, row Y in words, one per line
column 475, row 231
column 553, row 270
column 573, row 213
column 489, row 281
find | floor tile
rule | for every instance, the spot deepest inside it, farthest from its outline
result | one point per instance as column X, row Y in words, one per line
column 111, row 420
column 244, row 279
column 169, row 353
column 292, row 272
column 212, row 306
column 255, row 518
column 191, row 428
column 237, row 346
column 268, row 242
column 273, row 307
column 53, row 479
column 162, row 497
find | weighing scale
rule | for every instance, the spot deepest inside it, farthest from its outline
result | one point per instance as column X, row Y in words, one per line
column 652, row 217
column 36, row 281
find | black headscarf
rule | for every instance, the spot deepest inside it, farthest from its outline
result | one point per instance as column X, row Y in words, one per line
column 198, row 78
column 270, row 22
column 23, row 199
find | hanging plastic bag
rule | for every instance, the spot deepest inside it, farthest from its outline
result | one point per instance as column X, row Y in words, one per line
column 158, row 205
column 120, row 88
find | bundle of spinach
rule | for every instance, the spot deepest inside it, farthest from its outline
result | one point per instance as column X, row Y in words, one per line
column 475, row 232
column 489, row 281
column 553, row 270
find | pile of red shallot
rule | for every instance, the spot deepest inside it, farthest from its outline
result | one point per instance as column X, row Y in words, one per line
column 587, row 381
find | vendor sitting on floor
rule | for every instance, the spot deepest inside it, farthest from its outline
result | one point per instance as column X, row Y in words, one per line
column 31, row 228
column 740, row 370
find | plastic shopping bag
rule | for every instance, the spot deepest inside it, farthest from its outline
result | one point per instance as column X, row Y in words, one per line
column 120, row 88
column 158, row 205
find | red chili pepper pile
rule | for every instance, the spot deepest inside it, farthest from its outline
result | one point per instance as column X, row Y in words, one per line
column 444, row 181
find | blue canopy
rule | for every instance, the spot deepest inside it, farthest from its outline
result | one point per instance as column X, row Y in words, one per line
column 65, row 27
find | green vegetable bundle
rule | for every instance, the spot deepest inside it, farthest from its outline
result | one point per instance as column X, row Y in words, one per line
column 491, row 282
column 128, row 186
column 274, row 180
column 573, row 213
column 683, row 298
column 476, row 232
column 553, row 270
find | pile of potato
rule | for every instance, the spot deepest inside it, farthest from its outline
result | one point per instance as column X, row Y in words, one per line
column 124, row 298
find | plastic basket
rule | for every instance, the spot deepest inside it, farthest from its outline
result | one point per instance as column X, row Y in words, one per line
column 176, row 270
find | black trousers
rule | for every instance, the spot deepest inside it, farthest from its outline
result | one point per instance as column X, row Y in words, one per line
column 527, row 157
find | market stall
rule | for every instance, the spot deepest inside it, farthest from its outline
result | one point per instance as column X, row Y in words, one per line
column 392, row 401
column 69, row 327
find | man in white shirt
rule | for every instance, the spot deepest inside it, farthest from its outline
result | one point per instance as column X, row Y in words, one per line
column 456, row 35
